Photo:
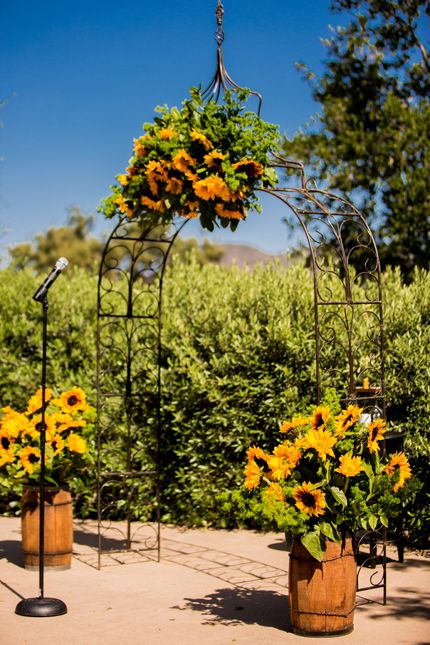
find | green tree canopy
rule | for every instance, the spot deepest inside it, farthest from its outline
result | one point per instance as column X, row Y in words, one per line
column 373, row 136
column 72, row 241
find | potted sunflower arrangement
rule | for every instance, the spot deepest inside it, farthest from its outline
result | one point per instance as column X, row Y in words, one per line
column 325, row 480
column 69, row 426
column 204, row 161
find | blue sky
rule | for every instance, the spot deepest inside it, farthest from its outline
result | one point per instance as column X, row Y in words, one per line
column 81, row 78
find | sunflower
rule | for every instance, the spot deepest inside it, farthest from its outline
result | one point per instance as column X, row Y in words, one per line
column 192, row 210
column 399, row 467
column 73, row 401
column 376, row 431
column 139, row 147
column 57, row 443
column 166, row 134
column 35, row 402
column 75, row 443
column 349, row 465
column 182, row 161
column 213, row 159
column 124, row 206
column 346, row 419
column 285, row 457
column 228, row 213
column 320, row 417
column 296, row 422
column 174, row 186
column 211, row 187
column 7, row 456
column 255, row 453
column 158, row 205
column 34, row 427
column 201, row 138
column 123, row 179
column 320, row 440
column 155, row 173
column 252, row 475
column 13, row 423
column 309, row 501
column 252, row 168
column 275, row 490
column 30, row 458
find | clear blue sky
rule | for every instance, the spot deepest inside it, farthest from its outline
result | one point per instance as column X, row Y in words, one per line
column 80, row 78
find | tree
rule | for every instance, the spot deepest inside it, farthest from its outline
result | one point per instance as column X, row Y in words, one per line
column 373, row 138
column 72, row 241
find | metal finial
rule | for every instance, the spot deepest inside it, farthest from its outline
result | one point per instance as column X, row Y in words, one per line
column 219, row 13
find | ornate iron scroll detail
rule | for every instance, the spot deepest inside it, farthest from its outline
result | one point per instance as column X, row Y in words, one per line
column 348, row 317
column 128, row 381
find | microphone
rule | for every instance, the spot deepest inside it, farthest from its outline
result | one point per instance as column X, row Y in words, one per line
column 42, row 291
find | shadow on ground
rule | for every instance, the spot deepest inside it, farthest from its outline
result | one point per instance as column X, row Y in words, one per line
column 11, row 551
column 240, row 605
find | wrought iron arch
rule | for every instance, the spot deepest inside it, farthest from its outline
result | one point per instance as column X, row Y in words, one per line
column 348, row 324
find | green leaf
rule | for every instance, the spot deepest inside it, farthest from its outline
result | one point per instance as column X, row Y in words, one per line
column 373, row 521
column 312, row 542
column 329, row 531
column 339, row 495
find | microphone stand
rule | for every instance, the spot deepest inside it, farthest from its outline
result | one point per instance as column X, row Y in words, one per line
column 41, row 606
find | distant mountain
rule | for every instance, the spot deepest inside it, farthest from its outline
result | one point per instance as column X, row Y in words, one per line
column 244, row 255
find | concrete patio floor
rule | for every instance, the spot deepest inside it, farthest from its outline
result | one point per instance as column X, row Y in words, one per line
column 210, row 586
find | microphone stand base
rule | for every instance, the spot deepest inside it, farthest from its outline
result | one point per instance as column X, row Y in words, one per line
column 40, row 607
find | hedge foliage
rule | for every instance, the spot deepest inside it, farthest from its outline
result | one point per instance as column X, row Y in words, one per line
column 239, row 350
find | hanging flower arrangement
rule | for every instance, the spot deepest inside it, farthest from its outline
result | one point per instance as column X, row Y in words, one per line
column 69, row 429
column 205, row 160
column 328, row 477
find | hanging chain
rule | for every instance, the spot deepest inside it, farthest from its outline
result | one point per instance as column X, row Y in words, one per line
column 219, row 13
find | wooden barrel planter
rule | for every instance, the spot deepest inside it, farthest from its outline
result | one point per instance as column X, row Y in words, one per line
column 58, row 532
column 322, row 594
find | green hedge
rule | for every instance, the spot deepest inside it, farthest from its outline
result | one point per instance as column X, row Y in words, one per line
column 239, row 351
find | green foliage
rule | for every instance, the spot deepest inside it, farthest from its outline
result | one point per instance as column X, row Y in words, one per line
column 373, row 138
column 239, row 359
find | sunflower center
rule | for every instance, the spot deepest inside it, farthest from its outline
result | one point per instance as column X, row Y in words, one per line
column 319, row 421
column 374, row 433
column 348, row 419
column 72, row 400
column 33, row 459
column 39, row 426
column 5, row 443
column 308, row 500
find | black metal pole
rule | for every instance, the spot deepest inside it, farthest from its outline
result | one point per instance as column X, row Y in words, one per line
column 42, row 607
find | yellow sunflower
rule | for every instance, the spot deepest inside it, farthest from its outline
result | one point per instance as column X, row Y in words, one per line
column 73, row 401
column 158, row 205
column 7, row 456
column 252, row 475
column 252, row 168
column 213, row 159
column 285, row 457
column 255, row 453
column 322, row 441
column 376, row 431
column 34, row 427
column 320, row 417
column 182, row 161
column 191, row 210
column 211, row 187
column 166, row 134
column 13, row 423
column 30, row 459
column 35, row 402
column 228, row 213
column 309, row 501
column 201, row 138
column 349, row 465
column 155, row 173
column 123, row 179
column 139, row 147
column 346, row 419
column 75, row 443
column 123, row 206
column 296, row 422
column 174, row 186
column 399, row 466
column 57, row 443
